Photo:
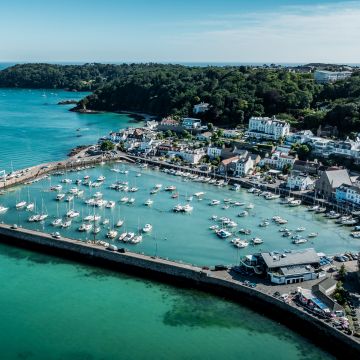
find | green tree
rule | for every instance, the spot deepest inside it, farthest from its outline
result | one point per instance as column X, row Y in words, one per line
column 286, row 169
column 342, row 272
column 107, row 145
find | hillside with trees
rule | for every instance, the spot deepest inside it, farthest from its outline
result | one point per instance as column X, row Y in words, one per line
column 234, row 92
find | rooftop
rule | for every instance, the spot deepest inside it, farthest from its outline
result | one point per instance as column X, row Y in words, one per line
column 294, row 257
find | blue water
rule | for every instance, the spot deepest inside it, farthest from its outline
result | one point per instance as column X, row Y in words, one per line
column 57, row 309
column 34, row 129
column 184, row 237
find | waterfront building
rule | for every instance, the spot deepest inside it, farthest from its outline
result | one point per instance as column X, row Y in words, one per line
column 300, row 137
column 278, row 160
column 191, row 156
column 290, row 267
column 244, row 165
column 213, row 152
column 299, row 181
column 239, row 165
column 324, row 76
column 307, row 167
column 200, row 108
column 330, row 180
column 267, row 128
column 348, row 193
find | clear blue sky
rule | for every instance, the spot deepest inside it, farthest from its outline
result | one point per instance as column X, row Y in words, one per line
column 173, row 30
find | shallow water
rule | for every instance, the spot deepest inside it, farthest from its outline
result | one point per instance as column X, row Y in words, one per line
column 57, row 309
column 34, row 129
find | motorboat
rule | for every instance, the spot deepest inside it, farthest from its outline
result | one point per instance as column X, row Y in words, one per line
column 214, row 227
column 72, row 214
column 131, row 201
column 299, row 229
column 129, row 236
column 85, row 227
column 55, row 235
column 250, row 206
column 3, row 209
column 243, row 213
column 56, row 188
column 199, row 194
column 60, row 196
column 124, row 199
column 245, row 231
column 120, row 223
column 299, row 241
column 320, row 210
column 122, row 236
column 101, row 178
column 240, row 243
column 223, row 233
column 187, row 208
column 42, row 217
column 66, row 224
column 66, row 181
column 313, row 208
column 295, row 203
column 30, row 207
column 313, row 234
column 178, row 208
column 170, row 188
column 136, row 239
column 231, row 224
column 112, row 234
column 148, row 202
column 20, row 205
column 133, row 189
column 256, row 241
column 57, row 222
column 110, row 204
column 264, row 224
column 73, row 190
column 147, row 228
column 92, row 218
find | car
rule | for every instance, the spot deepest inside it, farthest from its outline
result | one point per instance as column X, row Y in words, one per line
column 221, row 267
column 122, row 250
column 14, row 226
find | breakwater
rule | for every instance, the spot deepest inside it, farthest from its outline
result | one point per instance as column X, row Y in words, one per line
column 221, row 283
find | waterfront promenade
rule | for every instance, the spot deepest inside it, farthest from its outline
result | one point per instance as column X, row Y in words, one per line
column 225, row 283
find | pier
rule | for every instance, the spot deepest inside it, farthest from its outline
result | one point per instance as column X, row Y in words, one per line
column 223, row 283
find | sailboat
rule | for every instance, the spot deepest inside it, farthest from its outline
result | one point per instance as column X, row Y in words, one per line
column 30, row 205
column 20, row 204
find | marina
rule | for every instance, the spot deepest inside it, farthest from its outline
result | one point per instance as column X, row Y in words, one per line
column 114, row 200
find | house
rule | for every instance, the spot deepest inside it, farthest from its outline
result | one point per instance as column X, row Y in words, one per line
column 324, row 76
column 200, row 108
column 327, row 131
column 267, row 128
column 231, row 134
column 205, row 136
column 300, row 137
column 299, row 181
column 171, row 124
column 348, row 193
column 330, row 180
column 228, row 165
column 213, row 152
column 290, row 267
column 278, row 161
column 191, row 123
column 244, row 165
column 188, row 155
column 307, row 167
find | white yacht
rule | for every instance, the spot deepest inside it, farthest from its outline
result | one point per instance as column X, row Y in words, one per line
column 120, row 223
column 20, row 205
column 240, row 243
column 295, row 203
column 85, row 227
column 30, row 207
column 3, row 209
column 124, row 199
column 148, row 202
column 122, row 236
column 243, row 213
column 112, row 234
column 101, row 178
column 299, row 241
column 300, row 229
column 110, row 204
column 187, row 208
column 257, row 241
column 92, row 218
column 313, row 234
column 129, row 236
column 214, row 202
column 66, row 224
column 136, row 239
column 147, row 228
column 131, row 200
column 72, row 214
column 60, row 196
column 57, row 222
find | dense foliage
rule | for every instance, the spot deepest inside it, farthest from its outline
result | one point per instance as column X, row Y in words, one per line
column 235, row 93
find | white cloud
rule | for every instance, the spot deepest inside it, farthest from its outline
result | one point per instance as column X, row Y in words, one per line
column 293, row 34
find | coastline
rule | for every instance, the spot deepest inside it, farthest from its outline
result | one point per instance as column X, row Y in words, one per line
column 219, row 283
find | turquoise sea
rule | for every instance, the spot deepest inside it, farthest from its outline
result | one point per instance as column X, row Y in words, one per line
column 56, row 309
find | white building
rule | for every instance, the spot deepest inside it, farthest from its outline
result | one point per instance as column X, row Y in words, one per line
column 213, row 152
column 348, row 193
column 267, row 128
column 323, row 76
column 200, row 108
column 244, row 165
column 299, row 181
column 189, row 156
column 191, row 123
column 278, row 161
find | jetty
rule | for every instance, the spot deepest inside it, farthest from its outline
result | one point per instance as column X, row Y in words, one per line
column 221, row 282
